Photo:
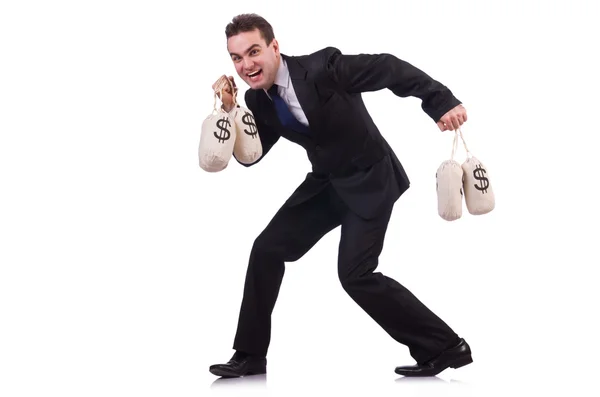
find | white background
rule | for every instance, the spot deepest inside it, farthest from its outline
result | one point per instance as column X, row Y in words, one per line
column 122, row 262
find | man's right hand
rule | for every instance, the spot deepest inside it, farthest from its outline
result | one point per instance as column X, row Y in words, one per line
column 227, row 86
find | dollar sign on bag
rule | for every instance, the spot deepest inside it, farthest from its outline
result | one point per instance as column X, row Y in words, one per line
column 223, row 133
column 478, row 173
column 249, row 121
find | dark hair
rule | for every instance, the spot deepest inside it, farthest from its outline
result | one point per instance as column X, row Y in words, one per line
column 249, row 22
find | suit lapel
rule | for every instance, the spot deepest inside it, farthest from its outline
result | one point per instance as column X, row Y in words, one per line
column 305, row 91
column 307, row 97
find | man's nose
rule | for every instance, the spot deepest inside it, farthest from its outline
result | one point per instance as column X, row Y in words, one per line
column 248, row 63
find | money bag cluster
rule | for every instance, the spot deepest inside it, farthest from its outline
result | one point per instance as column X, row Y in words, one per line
column 469, row 180
column 225, row 134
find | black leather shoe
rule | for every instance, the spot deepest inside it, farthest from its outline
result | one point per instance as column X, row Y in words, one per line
column 456, row 357
column 240, row 365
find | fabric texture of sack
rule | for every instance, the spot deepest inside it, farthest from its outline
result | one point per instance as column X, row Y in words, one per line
column 479, row 194
column 247, row 148
column 449, row 182
column 217, row 141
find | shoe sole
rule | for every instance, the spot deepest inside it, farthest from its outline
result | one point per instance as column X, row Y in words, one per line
column 230, row 374
column 461, row 362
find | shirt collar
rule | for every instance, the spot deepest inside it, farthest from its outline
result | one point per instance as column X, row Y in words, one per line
column 282, row 78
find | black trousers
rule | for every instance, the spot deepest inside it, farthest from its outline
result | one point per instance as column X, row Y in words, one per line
column 295, row 230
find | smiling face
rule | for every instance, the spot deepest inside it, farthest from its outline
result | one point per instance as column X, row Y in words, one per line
column 255, row 61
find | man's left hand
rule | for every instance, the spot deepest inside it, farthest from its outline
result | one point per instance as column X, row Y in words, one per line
column 453, row 119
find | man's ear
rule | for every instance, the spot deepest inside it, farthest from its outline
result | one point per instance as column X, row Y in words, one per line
column 275, row 45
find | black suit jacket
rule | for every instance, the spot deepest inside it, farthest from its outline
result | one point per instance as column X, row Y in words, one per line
column 345, row 146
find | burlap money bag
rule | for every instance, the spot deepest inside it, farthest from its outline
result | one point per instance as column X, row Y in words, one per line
column 216, row 140
column 449, row 178
column 247, row 148
column 479, row 194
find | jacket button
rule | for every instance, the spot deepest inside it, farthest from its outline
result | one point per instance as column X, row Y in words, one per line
column 318, row 147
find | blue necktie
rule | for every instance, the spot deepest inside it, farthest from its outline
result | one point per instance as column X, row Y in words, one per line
column 285, row 116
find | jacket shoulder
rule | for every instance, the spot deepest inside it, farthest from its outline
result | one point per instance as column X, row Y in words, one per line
column 319, row 64
column 319, row 58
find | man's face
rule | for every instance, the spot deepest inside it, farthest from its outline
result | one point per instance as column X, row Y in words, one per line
column 255, row 61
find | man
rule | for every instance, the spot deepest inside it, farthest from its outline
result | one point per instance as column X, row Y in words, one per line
column 315, row 101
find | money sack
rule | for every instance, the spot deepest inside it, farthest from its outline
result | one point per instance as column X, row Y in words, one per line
column 217, row 140
column 247, row 148
column 449, row 184
column 449, row 178
column 479, row 194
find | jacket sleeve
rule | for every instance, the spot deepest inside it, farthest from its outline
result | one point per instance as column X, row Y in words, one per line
column 367, row 72
column 267, row 136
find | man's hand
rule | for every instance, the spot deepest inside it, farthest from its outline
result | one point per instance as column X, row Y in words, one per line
column 453, row 119
column 228, row 87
